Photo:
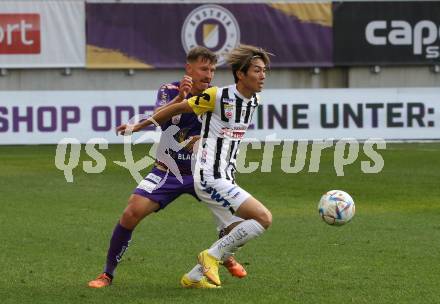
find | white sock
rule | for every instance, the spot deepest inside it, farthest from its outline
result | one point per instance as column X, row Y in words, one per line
column 196, row 273
column 240, row 235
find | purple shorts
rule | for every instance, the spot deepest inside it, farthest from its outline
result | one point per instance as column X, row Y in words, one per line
column 163, row 192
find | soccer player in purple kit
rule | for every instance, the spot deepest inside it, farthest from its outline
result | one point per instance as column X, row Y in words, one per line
column 153, row 193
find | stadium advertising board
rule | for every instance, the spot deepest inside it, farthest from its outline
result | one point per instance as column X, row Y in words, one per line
column 158, row 35
column 401, row 114
column 386, row 32
column 35, row 117
column 42, row 34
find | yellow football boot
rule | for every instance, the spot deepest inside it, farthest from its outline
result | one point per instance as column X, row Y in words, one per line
column 186, row 282
column 209, row 266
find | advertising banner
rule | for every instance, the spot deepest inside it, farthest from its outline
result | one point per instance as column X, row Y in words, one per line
column 42, row 34
column 46, row 117
column 158, row 35
column 367, row 33
column 36, row 117
column 390, row 114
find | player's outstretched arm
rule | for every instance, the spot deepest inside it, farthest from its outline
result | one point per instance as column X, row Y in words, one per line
column 160, row 117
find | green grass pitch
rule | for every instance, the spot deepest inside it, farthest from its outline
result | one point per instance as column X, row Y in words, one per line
column 54, row 235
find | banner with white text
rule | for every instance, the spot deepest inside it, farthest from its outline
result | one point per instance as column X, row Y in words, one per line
column 42, row 34
column 386, row 32
column 46, row 117
column 159, row 35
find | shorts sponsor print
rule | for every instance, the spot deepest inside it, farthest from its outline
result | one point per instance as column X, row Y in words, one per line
column 223, row 198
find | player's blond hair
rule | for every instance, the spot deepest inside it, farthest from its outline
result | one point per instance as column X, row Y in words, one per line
column 241, row 57
column 201, row 52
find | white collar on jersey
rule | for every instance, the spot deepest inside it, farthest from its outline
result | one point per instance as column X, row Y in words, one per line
column 236, row 92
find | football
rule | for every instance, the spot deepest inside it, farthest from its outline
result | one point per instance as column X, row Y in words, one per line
column 336, row 207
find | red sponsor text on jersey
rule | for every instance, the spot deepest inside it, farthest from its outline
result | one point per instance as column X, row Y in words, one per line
column 233, row 133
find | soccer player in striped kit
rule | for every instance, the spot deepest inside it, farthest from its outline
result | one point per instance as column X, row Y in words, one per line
column 226, row 114
column 161, row 187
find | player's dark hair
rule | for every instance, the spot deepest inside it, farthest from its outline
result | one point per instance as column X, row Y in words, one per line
column 203, row 53
column 240, row 58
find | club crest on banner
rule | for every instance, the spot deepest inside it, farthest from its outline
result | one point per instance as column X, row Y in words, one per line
column 213, row 27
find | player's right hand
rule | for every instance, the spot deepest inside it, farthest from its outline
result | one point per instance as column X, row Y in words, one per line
column 185, row 86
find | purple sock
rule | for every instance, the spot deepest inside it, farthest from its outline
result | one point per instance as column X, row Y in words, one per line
column 118, row 245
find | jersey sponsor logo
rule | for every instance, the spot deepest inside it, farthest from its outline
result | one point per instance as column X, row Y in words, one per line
column 228, row 105
column 211, row 26
column 185, row 156
column 204, row 156
column 163, row 95
column 163, row 99
column 229, row 110
column 237, row 133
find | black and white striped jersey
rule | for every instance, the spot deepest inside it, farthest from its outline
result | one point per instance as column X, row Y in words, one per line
column 226, row 116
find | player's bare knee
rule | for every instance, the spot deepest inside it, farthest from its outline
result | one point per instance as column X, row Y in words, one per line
column 131, row 217
column 265, row 219
column 129, row 214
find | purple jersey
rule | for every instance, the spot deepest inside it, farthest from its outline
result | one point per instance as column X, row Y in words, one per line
column 188, row 124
